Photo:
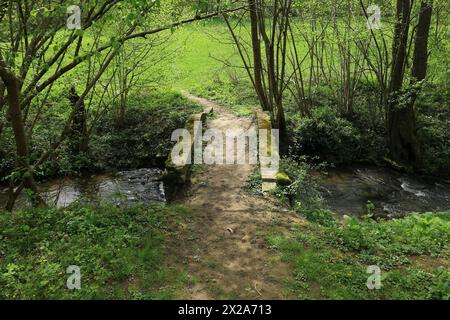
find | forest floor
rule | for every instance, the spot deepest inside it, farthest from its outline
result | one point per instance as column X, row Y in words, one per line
column 223, row 248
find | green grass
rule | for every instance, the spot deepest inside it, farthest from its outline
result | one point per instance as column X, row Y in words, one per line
column 331, row 259
column 206, row 62
column 199, row 47
column 200, row 51
column 120, row 252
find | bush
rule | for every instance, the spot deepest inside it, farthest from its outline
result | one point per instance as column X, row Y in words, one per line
column 303, row 190
column 254, row 182
column 440, row 289
column 433, row 123
column 145, row 132
column 326, row 135
column 320, row 216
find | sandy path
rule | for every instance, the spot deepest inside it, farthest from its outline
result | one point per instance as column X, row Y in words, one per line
column 223, row 249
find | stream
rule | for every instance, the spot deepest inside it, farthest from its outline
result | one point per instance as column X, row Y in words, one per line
column 345, row 190
column 394, row 194
column 123, row 188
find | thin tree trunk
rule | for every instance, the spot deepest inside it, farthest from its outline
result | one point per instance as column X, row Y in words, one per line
column 257, row 58
column 78, row 138
column 15, row 113
column 2, row 104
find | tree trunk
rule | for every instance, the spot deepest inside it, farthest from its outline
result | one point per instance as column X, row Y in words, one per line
column 78, row 135
column 399, row 45
column 257, row 58
column 420, row 60
column 401, row 123
column 281, row 126
column 2, row 104
column 2, row 93
column 15, row 113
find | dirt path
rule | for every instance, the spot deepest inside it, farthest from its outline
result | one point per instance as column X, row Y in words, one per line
column 224, row 249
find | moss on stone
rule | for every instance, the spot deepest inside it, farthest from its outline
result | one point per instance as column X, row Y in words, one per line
column 264, row 123
column 283, row 179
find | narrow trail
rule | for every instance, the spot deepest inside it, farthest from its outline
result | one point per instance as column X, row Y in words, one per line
column 223, row 248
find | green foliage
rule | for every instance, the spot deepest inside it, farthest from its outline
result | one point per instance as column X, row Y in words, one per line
column 303, row 189
column 417, row 234
column 145, row 132
column 143, row 138
column 433, row 123
column 368, row 120
column 440, row 285
column 119, row 252
column 254, row 182
column 331, row 258
column 325, row 134
column 370, row 209
column 320, row 216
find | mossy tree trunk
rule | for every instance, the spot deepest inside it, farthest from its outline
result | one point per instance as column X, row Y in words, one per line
column 401, row 122
column 403, row 142
column 12, row 86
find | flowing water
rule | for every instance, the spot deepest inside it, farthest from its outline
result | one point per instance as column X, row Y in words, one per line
column 122, row 189
column 346, row 191
column 394, row 194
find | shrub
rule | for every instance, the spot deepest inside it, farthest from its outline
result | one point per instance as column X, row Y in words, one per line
column 325, row 134
column 433, row 123
column 303, row 190
column 320, row 216
column 145, row 132
column 254, row 182
column 440, row 289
